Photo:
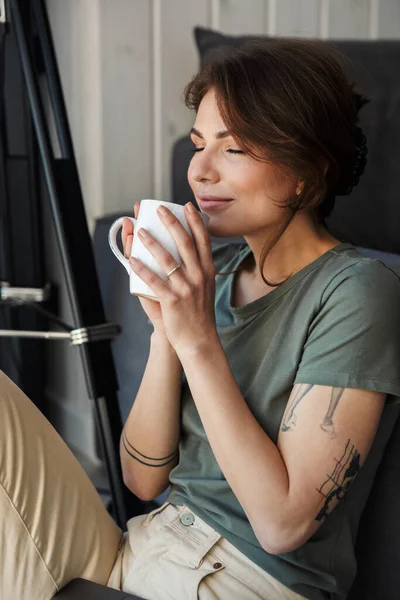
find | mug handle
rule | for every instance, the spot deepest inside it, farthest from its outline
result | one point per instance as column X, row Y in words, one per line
column 112, row 240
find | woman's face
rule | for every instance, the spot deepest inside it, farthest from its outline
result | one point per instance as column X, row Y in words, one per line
column 240, row 194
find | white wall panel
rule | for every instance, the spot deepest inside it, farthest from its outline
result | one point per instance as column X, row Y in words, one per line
column 176, row 61
column 75, row 29
column 239, row 17
column 388, row 19
column 298, row 18
column 349, row 19
column 126, row 90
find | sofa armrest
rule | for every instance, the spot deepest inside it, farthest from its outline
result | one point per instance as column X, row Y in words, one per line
column 80, row 589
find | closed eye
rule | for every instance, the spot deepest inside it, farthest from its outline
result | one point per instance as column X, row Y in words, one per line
column 231, row 150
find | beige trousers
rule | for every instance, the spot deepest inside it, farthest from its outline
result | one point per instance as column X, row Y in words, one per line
column 54, row 528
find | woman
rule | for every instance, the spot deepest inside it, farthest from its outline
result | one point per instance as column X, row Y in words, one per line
column 289, row 351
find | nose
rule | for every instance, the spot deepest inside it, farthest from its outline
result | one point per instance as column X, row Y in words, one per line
column 204, row 169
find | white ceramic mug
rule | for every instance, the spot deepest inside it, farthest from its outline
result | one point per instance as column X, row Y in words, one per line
column 149, row 219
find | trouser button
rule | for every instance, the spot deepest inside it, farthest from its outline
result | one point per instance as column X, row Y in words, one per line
column 187, row 519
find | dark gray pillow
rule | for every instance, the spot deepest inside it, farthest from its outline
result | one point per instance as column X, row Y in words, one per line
column 390, row 260
column 370, row 215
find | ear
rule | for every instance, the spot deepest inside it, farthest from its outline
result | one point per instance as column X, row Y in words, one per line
column 299, row 187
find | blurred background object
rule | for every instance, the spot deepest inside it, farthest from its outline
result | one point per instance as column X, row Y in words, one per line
column 38, row 172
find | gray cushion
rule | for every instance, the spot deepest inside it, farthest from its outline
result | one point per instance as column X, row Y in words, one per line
column 378, row 545
column 390, row 260
column 80, row 589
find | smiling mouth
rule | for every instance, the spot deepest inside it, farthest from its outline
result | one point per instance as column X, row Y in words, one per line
column 212, row 202
column 212, row 198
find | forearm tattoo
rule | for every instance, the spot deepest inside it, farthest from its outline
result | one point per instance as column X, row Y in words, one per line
column 290, row 419
column 345, row 470
column 156, row 462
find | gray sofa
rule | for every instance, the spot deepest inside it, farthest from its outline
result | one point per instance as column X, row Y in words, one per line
column 80, row 589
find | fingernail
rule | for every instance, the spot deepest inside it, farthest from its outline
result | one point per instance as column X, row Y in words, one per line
column 190, row 207
column 133, row 261
column 143, row 233
column 162, row 210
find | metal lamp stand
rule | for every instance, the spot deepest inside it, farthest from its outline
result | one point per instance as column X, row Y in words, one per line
column 90, row 333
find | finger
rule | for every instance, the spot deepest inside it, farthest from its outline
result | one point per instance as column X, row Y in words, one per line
column 158, row 285
column 201, row 237
column 183, row 240
column 127, row 236
column 129, row 242
column 166, row 261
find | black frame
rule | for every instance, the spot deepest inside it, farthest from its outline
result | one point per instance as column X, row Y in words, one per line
column 29, row 23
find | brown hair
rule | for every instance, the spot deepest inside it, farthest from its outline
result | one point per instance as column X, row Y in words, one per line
column 288, row 100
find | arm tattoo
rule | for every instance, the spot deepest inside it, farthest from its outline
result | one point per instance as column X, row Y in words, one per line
column 290, row 419
column 130, row 449
column 327, row 424
column 339, row 480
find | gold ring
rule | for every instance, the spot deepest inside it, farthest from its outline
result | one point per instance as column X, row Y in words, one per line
column 173, row 270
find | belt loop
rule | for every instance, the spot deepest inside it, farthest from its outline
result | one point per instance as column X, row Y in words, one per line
column 203, row 549
column 153, row 513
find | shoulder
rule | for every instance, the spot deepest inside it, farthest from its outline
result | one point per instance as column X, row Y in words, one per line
column 352, row 338
column 367, row 282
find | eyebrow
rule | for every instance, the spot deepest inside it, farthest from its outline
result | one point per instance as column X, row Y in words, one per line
column 220, row 135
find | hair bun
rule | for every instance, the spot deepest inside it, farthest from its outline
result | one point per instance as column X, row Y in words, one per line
column 344, row 188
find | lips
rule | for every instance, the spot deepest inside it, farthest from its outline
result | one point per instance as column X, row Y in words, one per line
column 211, row 202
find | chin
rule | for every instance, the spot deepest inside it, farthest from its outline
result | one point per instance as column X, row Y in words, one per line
column 223, row 230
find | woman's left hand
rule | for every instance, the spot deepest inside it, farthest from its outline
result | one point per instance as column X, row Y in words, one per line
column 187, row 297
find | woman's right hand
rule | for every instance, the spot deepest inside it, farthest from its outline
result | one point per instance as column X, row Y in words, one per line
column 150, row 307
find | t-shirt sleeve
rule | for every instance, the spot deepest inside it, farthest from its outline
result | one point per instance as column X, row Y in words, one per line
column 354, row 339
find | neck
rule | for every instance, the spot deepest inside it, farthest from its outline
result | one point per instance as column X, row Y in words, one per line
column 303, row 241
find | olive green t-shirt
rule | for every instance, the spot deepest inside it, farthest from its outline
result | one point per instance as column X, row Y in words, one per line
column 336, row 323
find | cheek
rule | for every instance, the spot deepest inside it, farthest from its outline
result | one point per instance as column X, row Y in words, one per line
column 269, row 185
column 189, row 173
column 238, row 181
